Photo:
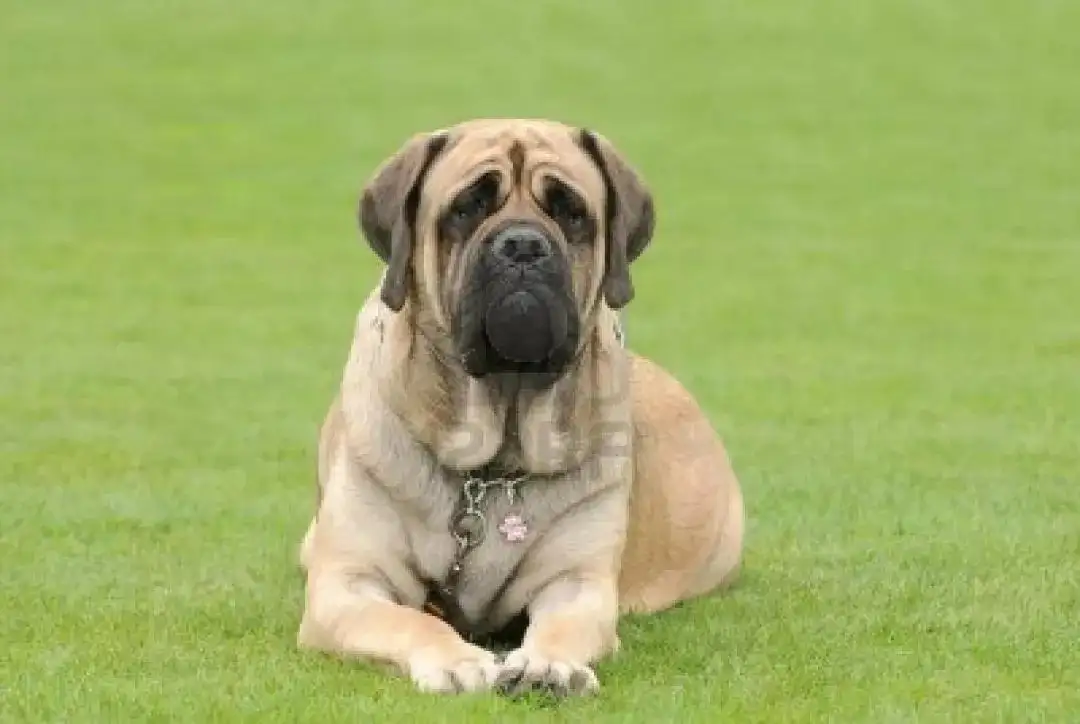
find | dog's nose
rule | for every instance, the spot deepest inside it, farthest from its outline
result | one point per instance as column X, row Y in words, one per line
column 521, row 244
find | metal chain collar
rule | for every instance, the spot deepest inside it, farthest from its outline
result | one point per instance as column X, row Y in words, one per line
column 469, row 526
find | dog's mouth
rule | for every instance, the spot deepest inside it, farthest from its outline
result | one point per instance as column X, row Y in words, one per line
column 517, row 318
column 530, row 329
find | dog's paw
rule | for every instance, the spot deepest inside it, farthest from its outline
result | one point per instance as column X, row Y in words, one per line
column 524, row 670
column 466, row 669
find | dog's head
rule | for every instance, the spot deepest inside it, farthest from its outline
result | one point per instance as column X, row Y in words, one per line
column 506, row 235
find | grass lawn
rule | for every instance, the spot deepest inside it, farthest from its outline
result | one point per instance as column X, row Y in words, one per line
column 867, row 269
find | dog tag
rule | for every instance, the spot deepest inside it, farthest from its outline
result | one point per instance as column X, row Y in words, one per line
column 513, row 528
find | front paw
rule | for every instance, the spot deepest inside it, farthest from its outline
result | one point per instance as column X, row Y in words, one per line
column 525, row 670
column 463, row 669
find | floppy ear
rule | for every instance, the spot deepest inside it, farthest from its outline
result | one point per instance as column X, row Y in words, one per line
column 630, row 218
column 388, row 210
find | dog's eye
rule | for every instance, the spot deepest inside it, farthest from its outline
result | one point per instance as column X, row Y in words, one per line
column 575, row 218
column 477, row 201
column 470, row 207
column 566, row 207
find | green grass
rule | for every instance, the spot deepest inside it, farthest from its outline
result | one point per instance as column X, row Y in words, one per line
column 866, row 269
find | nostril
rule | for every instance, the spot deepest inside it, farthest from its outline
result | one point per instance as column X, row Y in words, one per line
column 531, row 248
column 519, row 248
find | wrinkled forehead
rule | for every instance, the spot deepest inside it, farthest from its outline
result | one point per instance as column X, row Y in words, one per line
column 523, row 152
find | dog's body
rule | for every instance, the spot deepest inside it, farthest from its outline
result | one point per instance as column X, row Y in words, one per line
column 491, row 352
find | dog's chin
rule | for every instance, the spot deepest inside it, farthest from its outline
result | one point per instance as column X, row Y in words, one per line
column 483, row 361
column 529, row 332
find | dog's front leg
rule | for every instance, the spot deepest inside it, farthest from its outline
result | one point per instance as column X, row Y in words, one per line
column 572, row 623
column 357, row 616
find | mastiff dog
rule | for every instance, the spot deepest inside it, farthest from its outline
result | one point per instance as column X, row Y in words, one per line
column 499, row 477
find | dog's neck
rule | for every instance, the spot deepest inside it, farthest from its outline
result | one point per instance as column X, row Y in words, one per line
column 500, row 421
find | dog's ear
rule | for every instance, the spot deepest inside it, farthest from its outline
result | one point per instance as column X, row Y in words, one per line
column 388, row 210
column 630, row 218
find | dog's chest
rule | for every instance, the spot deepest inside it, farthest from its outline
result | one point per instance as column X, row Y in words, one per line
column 502, row 531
